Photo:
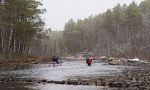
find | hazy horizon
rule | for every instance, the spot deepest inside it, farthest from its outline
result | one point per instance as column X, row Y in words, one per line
column 60, row 11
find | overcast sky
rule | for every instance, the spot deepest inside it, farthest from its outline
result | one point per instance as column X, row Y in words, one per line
column 60, row 11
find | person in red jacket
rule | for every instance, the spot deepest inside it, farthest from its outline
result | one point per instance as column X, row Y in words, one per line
column 89, row 61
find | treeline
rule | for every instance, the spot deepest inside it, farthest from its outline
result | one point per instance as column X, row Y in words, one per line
column 123, row 31
column 20, row 22
column 48, row 43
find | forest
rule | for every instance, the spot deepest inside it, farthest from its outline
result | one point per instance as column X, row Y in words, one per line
column 123, row 31
column 20, row 24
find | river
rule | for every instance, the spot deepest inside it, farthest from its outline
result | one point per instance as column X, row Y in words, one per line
column 68, row 70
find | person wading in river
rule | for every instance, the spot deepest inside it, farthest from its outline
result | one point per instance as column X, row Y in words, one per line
column 55, row 60
column 89, row 61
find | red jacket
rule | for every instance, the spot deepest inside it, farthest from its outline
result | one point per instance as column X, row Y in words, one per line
column 89, row 61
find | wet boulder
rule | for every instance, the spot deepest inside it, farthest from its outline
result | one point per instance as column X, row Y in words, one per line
column 71, row 82
column 115, row 62
column 134, row 60
column 44, row 80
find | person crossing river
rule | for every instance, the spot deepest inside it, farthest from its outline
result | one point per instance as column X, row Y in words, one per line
column 55, row 60
column 89, row 61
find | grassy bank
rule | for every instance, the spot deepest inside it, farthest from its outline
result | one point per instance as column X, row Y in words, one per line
column 22, row 58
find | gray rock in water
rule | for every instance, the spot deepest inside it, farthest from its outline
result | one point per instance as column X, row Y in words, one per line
column 115, row 62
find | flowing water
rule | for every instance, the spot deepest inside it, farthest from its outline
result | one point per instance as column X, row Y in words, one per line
column 68, row 70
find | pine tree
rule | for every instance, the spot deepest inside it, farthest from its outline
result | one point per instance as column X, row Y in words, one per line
column 20, row 22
